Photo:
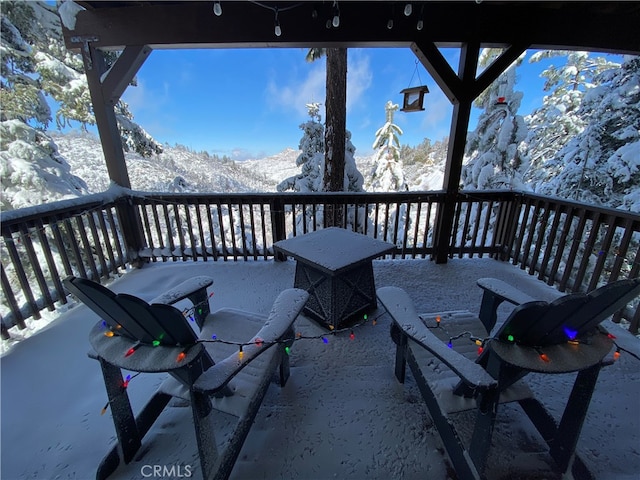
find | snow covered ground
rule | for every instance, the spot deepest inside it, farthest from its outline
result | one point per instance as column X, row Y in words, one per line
column 342, row 413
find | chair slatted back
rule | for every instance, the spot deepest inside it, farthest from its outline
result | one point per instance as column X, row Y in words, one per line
column 164, row 323
column 605, row 301
column 568, row 317
column 132, row 316
column 550, row 328
column 101, row 300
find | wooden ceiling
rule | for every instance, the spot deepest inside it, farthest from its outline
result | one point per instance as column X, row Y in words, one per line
column 573, row 25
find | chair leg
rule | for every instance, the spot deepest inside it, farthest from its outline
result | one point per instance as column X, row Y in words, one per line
column 564, row 445
column 401, row 353
column 124, row 421
column 462, row 462
column 205, row 436
column 285, row 369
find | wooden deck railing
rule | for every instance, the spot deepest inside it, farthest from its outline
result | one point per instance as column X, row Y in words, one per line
column 572, row 246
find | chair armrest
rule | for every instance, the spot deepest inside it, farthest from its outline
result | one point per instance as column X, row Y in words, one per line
column 195, row 289
column 397, row 302
column 495, row 292
column 285, row 310
column 183, row 290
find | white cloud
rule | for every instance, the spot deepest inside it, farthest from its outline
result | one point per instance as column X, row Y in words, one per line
column 291, row 95
column 359, row 78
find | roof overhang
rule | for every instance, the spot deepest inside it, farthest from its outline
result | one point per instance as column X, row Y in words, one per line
column 568, row 25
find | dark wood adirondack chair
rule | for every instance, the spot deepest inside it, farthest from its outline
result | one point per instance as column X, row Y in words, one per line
column 141, row 337
column 442, row 350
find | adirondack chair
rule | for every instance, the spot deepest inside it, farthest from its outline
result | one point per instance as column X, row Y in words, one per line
column 141, row 337
column 442, row 350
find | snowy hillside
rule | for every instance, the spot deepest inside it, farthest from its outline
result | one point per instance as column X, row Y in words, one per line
column 176, row 169
column 179, row 169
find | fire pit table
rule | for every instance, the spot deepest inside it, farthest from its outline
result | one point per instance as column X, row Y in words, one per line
column 335, row 266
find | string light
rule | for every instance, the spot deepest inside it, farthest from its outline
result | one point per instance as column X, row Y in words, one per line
column 217, row 9
column 570, row 333
column 132, row 350
column 336, row 15
column 125, row 384
column 420, row 24
column 408, row 9
column 277, row 29
column 240, row 353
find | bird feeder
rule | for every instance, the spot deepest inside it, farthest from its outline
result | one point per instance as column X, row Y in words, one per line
column 413, row 98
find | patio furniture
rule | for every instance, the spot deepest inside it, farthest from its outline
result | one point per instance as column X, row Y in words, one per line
column 459, row 366
column 151, row 338
column 335, row 266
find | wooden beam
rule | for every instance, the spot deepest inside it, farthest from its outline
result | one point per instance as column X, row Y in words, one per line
column 455, row 152
column 439, row 69
column 497, row 67
column 107, row 124
column 123, row 70
column 579, row 25
column 95, row 68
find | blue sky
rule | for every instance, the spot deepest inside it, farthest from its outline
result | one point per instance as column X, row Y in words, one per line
column 249, row 103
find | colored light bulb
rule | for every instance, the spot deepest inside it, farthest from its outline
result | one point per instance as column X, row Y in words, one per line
column 544, row 357
column 180, row 356
column 258, row 342
column 325, row 339
column 352, row 336
column 287, row 350
column 510, row 338
column 109, row 333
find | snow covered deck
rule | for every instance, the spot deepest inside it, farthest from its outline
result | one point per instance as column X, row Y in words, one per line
column 341, row 415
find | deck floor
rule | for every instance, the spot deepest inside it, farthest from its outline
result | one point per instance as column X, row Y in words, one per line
column 342, row 414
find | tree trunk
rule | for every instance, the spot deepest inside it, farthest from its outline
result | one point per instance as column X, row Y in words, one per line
column 336, row 123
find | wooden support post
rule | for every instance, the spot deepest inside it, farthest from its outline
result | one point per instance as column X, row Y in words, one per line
column 103, row 100
column 455, row 153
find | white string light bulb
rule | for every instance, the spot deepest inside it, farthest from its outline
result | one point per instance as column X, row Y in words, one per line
column 408, row 9
column 390, row 24
column 336, row 15
column 277, row 29
column 217, row 9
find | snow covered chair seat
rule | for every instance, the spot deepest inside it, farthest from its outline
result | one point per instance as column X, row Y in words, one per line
column 152, row 338
column 459, row 367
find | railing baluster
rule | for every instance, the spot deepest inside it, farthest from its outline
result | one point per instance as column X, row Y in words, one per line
column 9, row 296
column 603, row 253
column 550, row 241
column 53, row 274
column 97, row 245
column 143, row 212
column 20, row 272
column 71, row 237
column 575, row 244
column 533, row 265
column 107, row 242
column 87, row 247
column 588, row 251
